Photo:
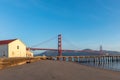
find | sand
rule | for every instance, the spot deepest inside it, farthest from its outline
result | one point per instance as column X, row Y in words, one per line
column 57, row 70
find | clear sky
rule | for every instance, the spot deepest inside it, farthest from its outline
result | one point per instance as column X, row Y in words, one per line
column 85, row 23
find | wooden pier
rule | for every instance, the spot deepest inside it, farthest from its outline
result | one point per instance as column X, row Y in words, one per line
column 87, row 59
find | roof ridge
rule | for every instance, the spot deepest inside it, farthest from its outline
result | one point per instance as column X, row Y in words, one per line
column 8, row 39
column 2, row 42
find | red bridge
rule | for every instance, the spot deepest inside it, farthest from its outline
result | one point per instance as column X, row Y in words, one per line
column 60, row 50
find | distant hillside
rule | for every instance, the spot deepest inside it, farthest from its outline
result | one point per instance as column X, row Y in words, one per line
column 55, row 53
column 112, row 52
column 65, row 53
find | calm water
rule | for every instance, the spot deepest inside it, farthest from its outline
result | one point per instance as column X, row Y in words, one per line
column 111, row 65
column 105, row 65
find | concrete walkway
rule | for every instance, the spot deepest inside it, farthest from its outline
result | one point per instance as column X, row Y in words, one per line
column 56, row 70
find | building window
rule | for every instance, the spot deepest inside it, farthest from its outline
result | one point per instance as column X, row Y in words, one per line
column 17, row 47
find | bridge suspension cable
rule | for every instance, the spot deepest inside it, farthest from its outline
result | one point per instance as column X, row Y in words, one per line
column 70, row 43
column 44, row 42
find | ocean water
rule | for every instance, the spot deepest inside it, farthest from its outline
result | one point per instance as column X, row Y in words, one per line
column 110, row 65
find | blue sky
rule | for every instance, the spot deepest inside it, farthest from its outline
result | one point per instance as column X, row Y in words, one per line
column 85, row 23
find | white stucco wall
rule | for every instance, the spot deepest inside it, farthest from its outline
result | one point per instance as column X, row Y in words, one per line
column 29, row 53
column 4, row 50
column 17, row 52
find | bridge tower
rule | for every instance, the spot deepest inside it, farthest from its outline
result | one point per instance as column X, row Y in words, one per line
column 59, row 45
column 101, row 51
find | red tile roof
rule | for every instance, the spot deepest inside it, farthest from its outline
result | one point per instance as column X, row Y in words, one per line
column 2, row 42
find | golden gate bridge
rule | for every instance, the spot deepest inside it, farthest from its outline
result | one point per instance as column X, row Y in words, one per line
column 60, row 50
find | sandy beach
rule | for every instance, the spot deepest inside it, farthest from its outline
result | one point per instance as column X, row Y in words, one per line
column 56, row 70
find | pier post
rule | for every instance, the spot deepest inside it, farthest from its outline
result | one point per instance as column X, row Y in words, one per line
column 64, row 58
column 70, row 58
column 76, row 59
column 58, row 58
column 51, row 58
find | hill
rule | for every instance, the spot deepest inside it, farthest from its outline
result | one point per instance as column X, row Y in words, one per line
column 66, row 53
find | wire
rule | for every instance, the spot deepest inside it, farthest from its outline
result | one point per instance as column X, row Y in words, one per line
column 64, row 39
column 70, row 43
column 44, row 41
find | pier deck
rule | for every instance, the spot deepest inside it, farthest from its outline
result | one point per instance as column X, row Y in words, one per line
column 86, row 59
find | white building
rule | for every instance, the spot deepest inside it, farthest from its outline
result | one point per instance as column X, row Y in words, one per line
column 12, row 48
column 29, row 53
